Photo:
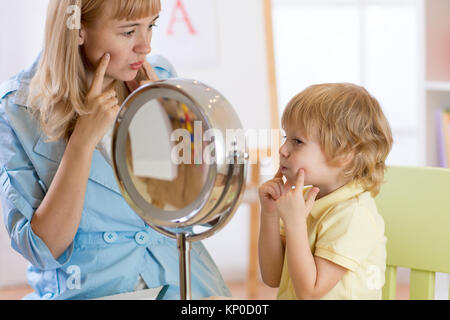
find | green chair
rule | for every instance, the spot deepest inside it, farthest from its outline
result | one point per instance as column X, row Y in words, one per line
column 415, row 205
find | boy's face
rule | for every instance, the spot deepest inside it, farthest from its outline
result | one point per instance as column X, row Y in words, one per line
column 302, row 152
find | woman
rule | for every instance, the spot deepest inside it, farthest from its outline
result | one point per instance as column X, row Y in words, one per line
column 61, row 204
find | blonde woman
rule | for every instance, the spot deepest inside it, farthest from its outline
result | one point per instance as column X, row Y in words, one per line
column 61, row 205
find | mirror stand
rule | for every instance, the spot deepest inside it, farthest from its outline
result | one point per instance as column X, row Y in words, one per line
column 184, row 251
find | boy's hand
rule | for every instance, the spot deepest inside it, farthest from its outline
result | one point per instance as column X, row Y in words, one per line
column 291, row 205
column 269, row 192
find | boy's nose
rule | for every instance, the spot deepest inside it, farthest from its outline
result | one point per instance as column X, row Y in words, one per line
column 284, row 152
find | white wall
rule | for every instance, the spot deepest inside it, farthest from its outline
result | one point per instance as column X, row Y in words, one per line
column 21, row 30
column 240, row 75
column 22, row 24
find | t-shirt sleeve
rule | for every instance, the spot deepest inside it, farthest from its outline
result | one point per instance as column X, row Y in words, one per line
column 346, row 236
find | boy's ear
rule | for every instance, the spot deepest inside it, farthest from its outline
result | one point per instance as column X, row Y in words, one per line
column 346, row 160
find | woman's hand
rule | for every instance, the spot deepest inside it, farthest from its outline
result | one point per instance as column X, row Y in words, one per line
column 103, row 107
column 58, row 217
column 291, row 205
column 269, row 192
column 149, row 74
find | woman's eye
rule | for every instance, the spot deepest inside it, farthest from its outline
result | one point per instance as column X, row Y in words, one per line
column 129, row 33
column 298, row 141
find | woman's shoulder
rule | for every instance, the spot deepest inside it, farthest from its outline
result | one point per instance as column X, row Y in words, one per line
column 13, row 102
column 162, row 66
column 14, row 91
column 9, row 87
column 8, row 95
column 17, row 123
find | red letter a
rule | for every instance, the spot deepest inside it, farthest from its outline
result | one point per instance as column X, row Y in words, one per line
column 179, row 6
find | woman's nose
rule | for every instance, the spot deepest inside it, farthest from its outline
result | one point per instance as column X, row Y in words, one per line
column 143, row 47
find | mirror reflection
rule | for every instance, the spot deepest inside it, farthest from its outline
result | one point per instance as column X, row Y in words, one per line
column 162, row 154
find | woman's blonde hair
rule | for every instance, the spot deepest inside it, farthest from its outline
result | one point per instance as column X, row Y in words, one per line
column 58, row 89
column 348, row 120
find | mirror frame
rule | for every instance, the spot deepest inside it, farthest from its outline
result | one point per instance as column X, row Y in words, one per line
column 171, row 223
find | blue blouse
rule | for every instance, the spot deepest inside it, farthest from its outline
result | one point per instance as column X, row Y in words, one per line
column 113, row 247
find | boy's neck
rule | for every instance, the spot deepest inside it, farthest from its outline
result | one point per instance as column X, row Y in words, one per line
column 330, row 188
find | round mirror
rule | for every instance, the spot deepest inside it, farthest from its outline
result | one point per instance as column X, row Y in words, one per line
column 180, row 160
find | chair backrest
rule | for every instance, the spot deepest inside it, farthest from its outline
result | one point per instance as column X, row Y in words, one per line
column 415, row 205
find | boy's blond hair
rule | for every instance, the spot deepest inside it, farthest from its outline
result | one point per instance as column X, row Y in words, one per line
column 348, row 120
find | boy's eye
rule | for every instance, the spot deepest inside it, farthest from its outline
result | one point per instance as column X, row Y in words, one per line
column 294, row 140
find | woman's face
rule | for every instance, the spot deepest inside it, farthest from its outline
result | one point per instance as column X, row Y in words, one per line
column 128, row 43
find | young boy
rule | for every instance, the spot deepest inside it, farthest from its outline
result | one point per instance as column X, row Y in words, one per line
column 332, row 243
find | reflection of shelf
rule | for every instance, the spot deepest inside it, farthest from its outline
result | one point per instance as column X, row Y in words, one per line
column 437, row 34
column 438, row 85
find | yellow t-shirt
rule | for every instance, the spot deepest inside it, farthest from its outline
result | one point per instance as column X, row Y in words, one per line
column 345, row 227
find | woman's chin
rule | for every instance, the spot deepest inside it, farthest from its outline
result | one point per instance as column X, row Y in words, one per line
column 127, row 76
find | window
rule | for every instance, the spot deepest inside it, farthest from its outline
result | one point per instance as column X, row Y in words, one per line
column 376, row 44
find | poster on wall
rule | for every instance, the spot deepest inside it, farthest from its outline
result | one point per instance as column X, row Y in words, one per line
column 187, row 33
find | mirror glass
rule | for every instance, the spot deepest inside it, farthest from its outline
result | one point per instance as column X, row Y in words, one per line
column 164, row 154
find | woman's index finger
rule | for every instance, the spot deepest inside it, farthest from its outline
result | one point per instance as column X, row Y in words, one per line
column 99, row 76
column 151, row 74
